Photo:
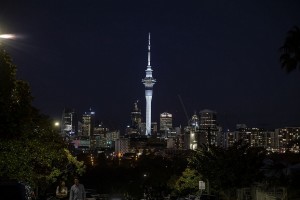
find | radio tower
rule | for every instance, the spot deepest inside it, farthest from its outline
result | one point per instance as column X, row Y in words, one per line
column 148, row 81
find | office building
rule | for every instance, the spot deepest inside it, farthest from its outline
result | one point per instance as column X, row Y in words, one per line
column 166, row 123
column 88, row 123
column 69, row 123
column 208, row 129
column 136, row 119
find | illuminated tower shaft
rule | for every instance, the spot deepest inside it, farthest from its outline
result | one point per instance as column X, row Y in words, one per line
column 148, row 81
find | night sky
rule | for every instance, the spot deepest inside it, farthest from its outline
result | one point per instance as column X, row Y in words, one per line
column 217, row 55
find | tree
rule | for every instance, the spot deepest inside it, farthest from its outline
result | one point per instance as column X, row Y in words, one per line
column 30, row 149
column 188, row 183
column 229, row 169
column 283, row 170
column 290, row 51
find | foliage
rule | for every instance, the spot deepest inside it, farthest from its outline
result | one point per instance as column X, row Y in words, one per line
column 13, row 99
column 229, row 169
column 39, row 158
column 156, row 169
column 30, row 149
column 281, row 170
column 290, row 51
column 188, row 183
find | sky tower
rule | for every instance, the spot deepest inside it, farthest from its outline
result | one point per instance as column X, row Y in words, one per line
column 148, row 81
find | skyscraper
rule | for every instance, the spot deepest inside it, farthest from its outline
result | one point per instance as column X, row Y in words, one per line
column 194, row 122
column 136, row 117
column 136, row 121
column 148, row 81
column 69, row 124
column 88, row 123
column 166, row 122
column 208, row 127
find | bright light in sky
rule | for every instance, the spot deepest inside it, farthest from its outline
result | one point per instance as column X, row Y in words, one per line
column 7, row 36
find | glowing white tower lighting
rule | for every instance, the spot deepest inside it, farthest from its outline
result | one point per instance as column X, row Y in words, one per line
column 148, row 81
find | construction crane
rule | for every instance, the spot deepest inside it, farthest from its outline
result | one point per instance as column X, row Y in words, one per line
column 183, row 107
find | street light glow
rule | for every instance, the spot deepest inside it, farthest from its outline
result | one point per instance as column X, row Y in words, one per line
column 7, row 36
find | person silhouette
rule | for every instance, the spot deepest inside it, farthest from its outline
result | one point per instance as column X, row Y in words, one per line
column 62, row 191
column 77, row 191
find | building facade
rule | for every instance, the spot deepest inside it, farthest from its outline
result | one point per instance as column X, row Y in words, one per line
column 69, row 123
column 136, row 121
column 208, row 128
column 287, row 138
column 166, row 123
column 88, row 123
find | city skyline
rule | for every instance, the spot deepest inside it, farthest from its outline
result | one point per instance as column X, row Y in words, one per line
column 222, row 56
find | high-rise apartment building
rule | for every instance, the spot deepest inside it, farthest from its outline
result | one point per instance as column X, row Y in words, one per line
column 287, row 138
column 255, row 137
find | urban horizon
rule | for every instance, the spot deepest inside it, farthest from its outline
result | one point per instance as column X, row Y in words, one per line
column 146, row 100
column 113, row 126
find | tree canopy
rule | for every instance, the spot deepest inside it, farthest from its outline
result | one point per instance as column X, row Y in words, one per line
column 290, row 51
column 228, row 169
column 30, row 149
column 188, row 183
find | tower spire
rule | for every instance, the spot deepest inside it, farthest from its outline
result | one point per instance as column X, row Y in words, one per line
column 148, row 81
column 149, row 50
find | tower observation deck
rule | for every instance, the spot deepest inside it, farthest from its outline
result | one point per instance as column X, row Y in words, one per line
column 148, row 81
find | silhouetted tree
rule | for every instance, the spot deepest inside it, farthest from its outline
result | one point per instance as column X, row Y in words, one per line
column 229, row 169
column 15, row 100
column 30, row 149
column 283, row 170
column 290, row 51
